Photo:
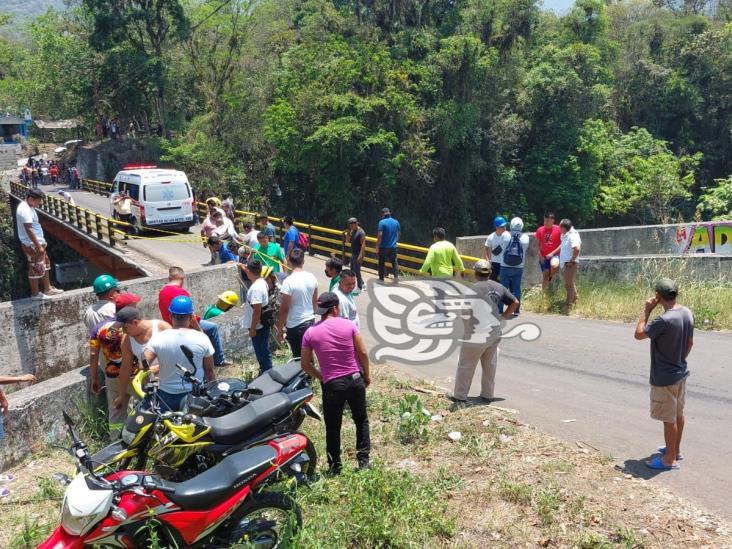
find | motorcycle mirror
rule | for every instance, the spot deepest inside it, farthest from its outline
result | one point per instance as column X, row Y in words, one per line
column 189, row 355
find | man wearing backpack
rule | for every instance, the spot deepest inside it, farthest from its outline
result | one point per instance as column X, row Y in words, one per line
column 512, row 264
column 292, row 235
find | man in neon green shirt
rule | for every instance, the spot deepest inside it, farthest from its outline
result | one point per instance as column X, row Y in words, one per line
column 442, row 257
column 268, row 253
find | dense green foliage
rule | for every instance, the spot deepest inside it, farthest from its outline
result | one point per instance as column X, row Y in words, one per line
column 446, row 111
column 12, row 282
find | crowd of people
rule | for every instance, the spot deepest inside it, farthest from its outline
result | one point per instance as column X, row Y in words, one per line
column 42, row 171
column 281, row 302
column 114, row 128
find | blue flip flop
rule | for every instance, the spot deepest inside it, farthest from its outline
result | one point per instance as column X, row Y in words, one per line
column 662, row 451
column 657, row 464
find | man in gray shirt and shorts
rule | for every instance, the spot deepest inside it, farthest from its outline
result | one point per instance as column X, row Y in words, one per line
column 672, row 336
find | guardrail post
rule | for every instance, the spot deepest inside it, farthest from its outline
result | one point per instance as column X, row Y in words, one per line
column 110, row 231
column 98, row 226
column 87, row 222
column 310, row 240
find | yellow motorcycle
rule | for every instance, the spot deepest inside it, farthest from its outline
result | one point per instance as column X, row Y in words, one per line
column 178, row 445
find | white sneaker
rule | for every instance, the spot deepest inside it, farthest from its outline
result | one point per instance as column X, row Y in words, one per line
column 54, row 291
column 39, row 296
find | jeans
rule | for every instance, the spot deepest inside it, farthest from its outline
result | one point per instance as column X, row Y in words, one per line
column 294, row 337
column 211, row 329
column 335, row 394
column 495, row 272
column 171, row 401
column 511, row 279
column 390, row 255
column 356, row 268
column 261, row 349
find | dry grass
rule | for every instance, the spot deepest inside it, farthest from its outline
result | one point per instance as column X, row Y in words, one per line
column 503, row 484
column 709, row 300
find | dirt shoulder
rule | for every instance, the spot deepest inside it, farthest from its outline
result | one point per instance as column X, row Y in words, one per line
column 500, row 483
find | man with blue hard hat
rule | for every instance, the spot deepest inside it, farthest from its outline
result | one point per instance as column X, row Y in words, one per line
column 167, row 345
column 495, row 245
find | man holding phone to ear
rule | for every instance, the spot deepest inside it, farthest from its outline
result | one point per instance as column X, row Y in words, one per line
column 672, row 336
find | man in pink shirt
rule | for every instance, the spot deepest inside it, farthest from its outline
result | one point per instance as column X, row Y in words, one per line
column 344, row 373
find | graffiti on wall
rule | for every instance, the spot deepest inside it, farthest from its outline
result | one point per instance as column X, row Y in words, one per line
column 704, row 238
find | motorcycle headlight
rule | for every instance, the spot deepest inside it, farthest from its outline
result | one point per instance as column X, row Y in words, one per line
column 76, row 525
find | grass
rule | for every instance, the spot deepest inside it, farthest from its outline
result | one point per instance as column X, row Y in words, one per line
column 501, row 484
column 710, row 301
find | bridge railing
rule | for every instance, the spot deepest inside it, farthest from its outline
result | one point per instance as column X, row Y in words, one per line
column 322, row 240
column 88, row 221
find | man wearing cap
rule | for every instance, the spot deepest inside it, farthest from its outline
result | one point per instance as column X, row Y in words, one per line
column 387, row 239
column 672, row 337
column 137, row 331
column 344, row 372
column 495, row 294
column 30, row 234
column 356, row 236
column 495, row 245
column 442, row 258
column 165, row 346
column 107, row 338
column 224, row 302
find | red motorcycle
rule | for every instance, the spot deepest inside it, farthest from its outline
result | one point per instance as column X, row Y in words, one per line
column 216, row 509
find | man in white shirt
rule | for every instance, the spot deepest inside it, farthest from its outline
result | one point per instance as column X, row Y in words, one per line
column 495, row 245
column 299, row 300
column 165, row 346
column 257, row 314
column 569, row 252
column 514, row 258
column 34, row 245
column 344, row 291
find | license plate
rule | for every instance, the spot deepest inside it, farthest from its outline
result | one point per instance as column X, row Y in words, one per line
column 170, row 220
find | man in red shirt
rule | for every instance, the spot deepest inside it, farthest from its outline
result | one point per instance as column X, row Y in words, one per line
column 174, row 288
column 550, row 238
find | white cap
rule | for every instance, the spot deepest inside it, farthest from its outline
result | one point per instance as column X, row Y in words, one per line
column 517, row 224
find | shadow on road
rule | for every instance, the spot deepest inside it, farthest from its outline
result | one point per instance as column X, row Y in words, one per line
column 639, row 469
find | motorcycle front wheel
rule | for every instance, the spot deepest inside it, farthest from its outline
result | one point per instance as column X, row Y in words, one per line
column 269, row 520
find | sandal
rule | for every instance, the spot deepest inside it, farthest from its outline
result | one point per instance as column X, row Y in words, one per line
column 4, row 492
column 662, row 451
column 658, row 464
column 6, row 477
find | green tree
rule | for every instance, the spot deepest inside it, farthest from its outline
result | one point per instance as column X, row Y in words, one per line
column 717, row 200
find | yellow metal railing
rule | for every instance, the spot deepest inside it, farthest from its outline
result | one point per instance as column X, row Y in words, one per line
column 322, row 240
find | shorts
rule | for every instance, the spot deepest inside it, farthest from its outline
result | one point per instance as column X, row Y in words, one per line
column 667, row 403
column 545, row 264
column 38, row 262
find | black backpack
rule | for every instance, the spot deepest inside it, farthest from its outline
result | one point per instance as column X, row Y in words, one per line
column 514, row 254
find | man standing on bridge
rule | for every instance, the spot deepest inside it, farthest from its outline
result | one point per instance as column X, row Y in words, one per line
column 34, row 245
column 443, row 258
column 387, row 240
column 672, row 336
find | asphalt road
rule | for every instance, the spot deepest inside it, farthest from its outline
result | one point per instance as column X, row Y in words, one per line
column 592, row 372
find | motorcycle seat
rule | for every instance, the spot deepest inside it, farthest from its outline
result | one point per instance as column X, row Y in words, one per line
column 245, row 422
column 284, row 374
column 266, row 384
column 223, row 479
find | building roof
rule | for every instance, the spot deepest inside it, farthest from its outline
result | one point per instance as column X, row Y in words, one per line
column 10, row 120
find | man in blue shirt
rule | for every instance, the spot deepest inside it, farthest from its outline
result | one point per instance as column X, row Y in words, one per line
column 267, row 228
column 222, row 248
column 386, row 242
column 292, row 235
